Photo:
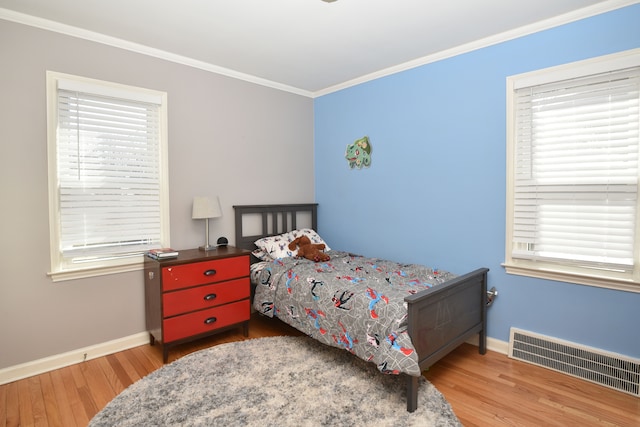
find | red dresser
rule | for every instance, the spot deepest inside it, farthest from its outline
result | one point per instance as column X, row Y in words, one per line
column 196, row 294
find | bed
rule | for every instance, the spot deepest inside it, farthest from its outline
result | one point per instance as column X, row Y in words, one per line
column 402, row 317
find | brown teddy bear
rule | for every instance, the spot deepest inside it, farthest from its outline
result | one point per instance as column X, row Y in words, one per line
column 308, row 250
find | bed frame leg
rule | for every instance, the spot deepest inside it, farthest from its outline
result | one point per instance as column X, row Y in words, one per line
column 412, row 393
column 482, row 342
column 482, row 339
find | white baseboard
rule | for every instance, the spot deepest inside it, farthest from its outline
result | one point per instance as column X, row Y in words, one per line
column 492, row 344
column 29, row 369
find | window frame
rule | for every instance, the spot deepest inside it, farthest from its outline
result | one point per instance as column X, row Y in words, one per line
column 550, row 270
column 61, row 269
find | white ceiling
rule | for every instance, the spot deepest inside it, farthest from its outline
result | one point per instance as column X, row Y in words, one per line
column 305, row 46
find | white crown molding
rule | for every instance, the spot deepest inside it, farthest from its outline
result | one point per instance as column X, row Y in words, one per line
column 557, row 21
column 583, row 13
column 45, row 24
column 57, row 361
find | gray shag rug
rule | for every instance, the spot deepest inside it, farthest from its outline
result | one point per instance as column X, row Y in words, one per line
column 283, row 381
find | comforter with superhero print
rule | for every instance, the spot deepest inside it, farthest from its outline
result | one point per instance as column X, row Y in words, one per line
column 350, row 301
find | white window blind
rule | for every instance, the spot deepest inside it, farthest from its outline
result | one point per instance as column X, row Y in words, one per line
column 576, row 171
column 108, row 162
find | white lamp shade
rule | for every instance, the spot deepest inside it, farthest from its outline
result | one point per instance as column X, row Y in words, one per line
column 206, row 207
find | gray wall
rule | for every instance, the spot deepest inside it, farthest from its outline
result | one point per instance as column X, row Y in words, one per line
column 226, row 137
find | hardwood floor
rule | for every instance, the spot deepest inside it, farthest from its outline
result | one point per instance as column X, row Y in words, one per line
column 490, row 390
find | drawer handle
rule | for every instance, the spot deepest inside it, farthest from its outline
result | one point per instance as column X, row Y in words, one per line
column 209, row 272
column 210, row 320
column 210, row 297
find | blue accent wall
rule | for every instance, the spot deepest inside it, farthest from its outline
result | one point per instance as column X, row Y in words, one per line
column 435, row 191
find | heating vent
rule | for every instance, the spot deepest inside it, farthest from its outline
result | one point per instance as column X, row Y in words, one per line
column 598, row 366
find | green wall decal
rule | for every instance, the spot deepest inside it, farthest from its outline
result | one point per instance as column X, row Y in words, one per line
column 358, row 154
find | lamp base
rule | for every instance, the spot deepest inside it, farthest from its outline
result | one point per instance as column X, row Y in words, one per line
column 207, row 246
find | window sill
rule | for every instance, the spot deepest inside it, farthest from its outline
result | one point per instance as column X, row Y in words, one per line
column 64, row 275
column 580, row 279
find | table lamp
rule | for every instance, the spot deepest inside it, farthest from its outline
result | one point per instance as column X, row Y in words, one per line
column 206, row 208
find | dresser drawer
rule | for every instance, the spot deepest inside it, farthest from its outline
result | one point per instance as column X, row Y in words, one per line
column 197, row 273
column 191, row 299
column 203, row 321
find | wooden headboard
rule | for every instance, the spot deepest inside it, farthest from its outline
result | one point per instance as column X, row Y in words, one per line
column 270, row 220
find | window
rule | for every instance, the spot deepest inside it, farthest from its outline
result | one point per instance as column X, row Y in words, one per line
column 572, row 172
column 108, row 189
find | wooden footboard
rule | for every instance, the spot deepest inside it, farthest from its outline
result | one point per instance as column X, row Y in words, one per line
column 443, row 317
column 439, row 319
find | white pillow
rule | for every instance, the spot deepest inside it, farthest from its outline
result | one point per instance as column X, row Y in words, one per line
column 261, row 255
column 278, row 246
column 313, row 236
